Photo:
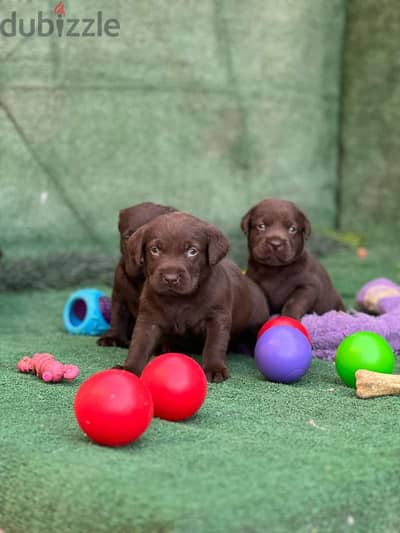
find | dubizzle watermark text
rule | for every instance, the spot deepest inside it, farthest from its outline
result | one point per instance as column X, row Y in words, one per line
column 60, row 25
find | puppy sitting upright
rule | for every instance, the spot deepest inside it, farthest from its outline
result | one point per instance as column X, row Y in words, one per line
column 190, row 292
column 293, row 281
column 128, row 276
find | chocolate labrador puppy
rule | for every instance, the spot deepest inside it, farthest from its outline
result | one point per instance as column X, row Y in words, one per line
column 293, row 281
column 129, row 276
column 190, row 291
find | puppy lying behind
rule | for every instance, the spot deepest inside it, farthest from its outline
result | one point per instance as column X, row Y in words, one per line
column 190, row 291
column 293, row 281
column 128, row 277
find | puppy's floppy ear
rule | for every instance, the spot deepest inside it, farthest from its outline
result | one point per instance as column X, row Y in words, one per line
column 136, row 244
column 126, row 234
column 306, row 224
column 245, row 223
column 124, row 219
column 218, row 245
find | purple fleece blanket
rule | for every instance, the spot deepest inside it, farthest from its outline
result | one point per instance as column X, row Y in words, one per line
column 380, row 296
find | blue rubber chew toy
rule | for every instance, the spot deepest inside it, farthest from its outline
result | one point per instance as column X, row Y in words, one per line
column 87, row 312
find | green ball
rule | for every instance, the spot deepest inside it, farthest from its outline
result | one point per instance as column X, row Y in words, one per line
column 363, row 350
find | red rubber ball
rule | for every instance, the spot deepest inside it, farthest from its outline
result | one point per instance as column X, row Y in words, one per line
column 284, row 321
column 113, row 407
column 177, row 384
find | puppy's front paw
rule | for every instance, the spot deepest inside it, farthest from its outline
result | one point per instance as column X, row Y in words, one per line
column 217, row 374
column 127, row 368
column 112, row 340
column 292, row 310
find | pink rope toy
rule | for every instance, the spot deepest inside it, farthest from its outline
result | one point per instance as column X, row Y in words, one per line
column 45, row 367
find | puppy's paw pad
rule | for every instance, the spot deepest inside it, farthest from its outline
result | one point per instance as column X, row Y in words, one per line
column 217, row 376
column 107, row 340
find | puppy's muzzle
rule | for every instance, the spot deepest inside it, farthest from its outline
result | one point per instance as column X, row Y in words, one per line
column 171, row 278
column 276, row 244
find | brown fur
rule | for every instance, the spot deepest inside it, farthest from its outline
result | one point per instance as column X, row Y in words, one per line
column 190, row 291
column 293, row 281
column 128, row 276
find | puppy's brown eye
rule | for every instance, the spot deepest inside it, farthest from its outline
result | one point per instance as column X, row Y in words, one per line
column 191, row 252
column 155, row 250
column 261, row 227
column 292, row 229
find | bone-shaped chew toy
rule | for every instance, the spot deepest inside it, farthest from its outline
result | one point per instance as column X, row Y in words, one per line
column 45, row 367
column 372, row 384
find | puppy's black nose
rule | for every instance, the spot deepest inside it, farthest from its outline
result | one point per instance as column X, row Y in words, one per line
column 276, row 244
column 170, row 278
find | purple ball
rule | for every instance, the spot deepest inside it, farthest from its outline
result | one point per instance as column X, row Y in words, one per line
column 283, row 354
column 105, row 308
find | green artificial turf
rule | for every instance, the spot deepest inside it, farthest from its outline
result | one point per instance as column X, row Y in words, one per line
column 258, row 457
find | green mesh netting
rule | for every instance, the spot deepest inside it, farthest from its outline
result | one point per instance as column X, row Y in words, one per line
column 209, row 106
column 370, row 197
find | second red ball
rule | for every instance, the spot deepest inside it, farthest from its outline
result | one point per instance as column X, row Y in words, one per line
column 284, row 321
column 177, row 384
